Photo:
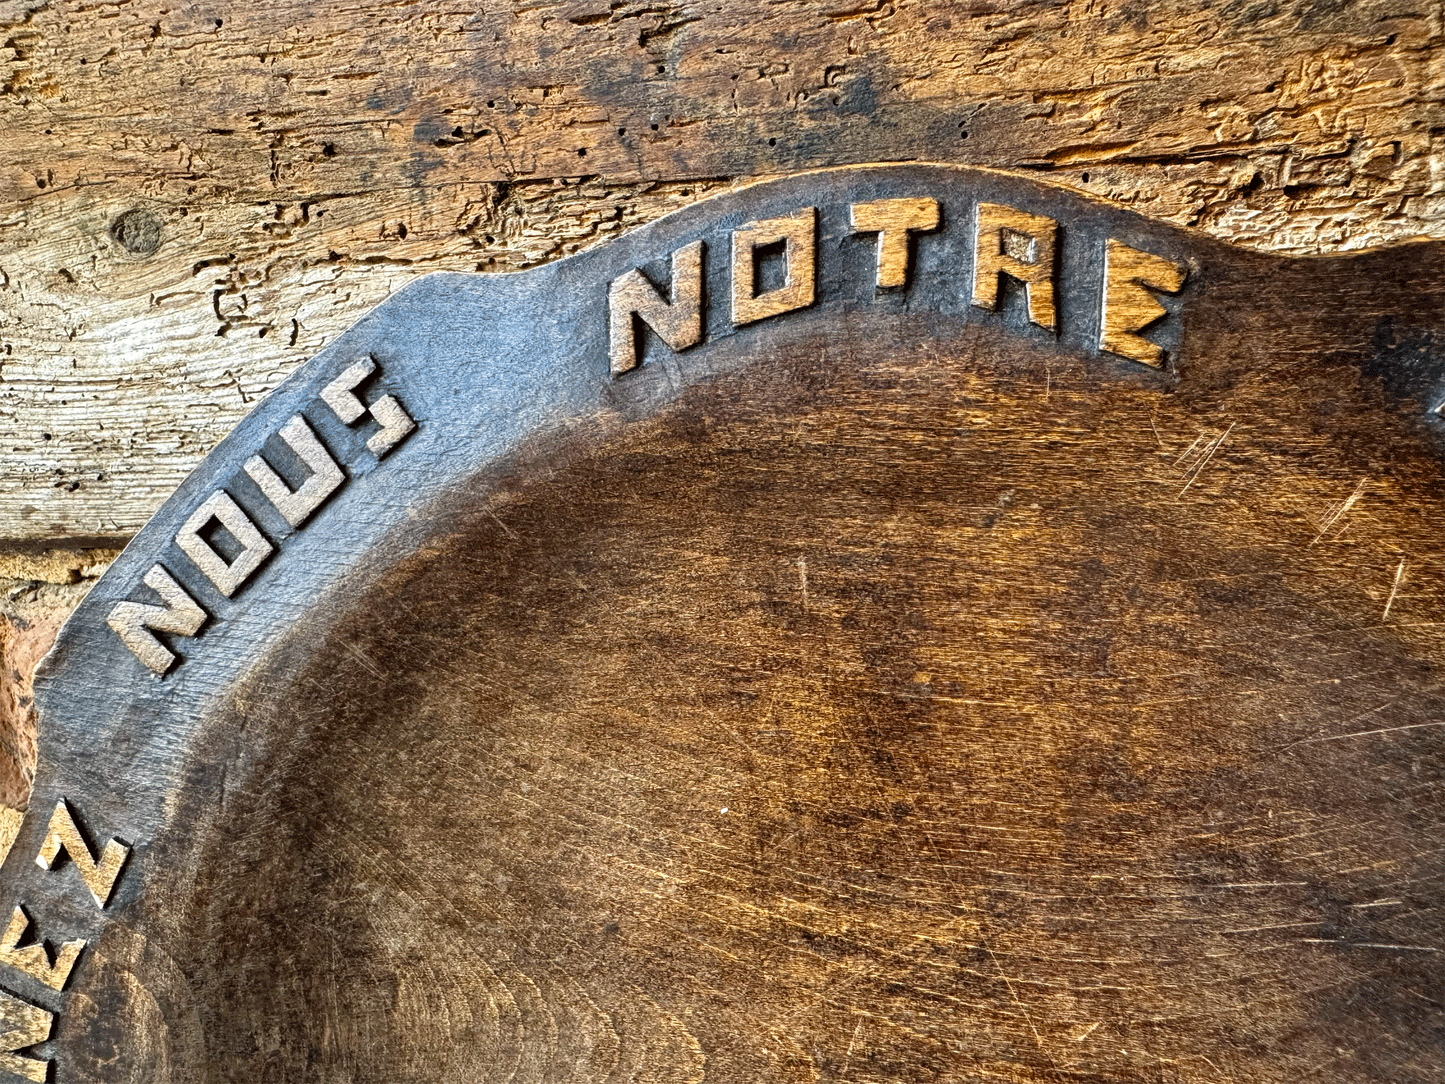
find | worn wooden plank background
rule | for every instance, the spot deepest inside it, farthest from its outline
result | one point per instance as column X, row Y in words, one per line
column 197, row 197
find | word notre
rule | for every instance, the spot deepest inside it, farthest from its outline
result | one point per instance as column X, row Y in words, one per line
column 1009, row 244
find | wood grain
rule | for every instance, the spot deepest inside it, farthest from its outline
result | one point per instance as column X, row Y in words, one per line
column 855, row 723
column 889, row 689
column 198, row 198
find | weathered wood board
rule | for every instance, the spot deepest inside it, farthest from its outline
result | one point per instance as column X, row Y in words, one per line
column 892, row 656
column 198, row 197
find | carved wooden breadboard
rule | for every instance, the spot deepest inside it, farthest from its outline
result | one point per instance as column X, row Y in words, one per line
column 896, row 624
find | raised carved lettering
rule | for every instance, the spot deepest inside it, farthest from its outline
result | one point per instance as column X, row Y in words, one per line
column 22, row 1025
column 797, row 233
column 133, row 621
column 296, row 506
column 64, row 834
column 340, row 396
column 894, row 220
column 1129, row 307
column 678, row 322
column 33, row 959
column 1021, row 246
column 227, row 575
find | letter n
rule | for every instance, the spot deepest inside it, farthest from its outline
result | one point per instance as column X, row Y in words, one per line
column 22, row 1025
column 133, row 622
column 677, row 322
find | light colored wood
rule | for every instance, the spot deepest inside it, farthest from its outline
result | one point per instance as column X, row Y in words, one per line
column 22, row 1025
column 1129, row 306
column 677, row 320
column 196, row 199
column 133, row 622
column 340, row 396
column 10, row 820
column 797, row 233
column 894, row 221
column 226, row 573
column 98, row 872
column 297, row 504
column 1018, row 245
column 32, row 959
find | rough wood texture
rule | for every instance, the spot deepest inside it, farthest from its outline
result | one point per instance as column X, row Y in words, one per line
column 196, row 198
column 37, row 593
column 892, row 689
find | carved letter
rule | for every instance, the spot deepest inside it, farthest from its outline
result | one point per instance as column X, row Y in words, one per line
column 678, row 323
column 1018, row 245
column 340, row 396
column 796, row 231
column 226, row 575
column 1128, row 306
column 893, row 220
column 23, row 1025
column 64, row 835
column 297, row 505
column 133, row 621
column 32, row 958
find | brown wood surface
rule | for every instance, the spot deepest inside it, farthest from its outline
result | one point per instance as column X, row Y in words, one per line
column 192, row 209
column 1065, row 736
column 901, row 708
column 197, row 197
column 890, row 689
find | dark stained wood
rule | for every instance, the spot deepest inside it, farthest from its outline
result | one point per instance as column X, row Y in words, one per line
column 887, row 690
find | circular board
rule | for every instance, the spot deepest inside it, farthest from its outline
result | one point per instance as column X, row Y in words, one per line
column 897, row 624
